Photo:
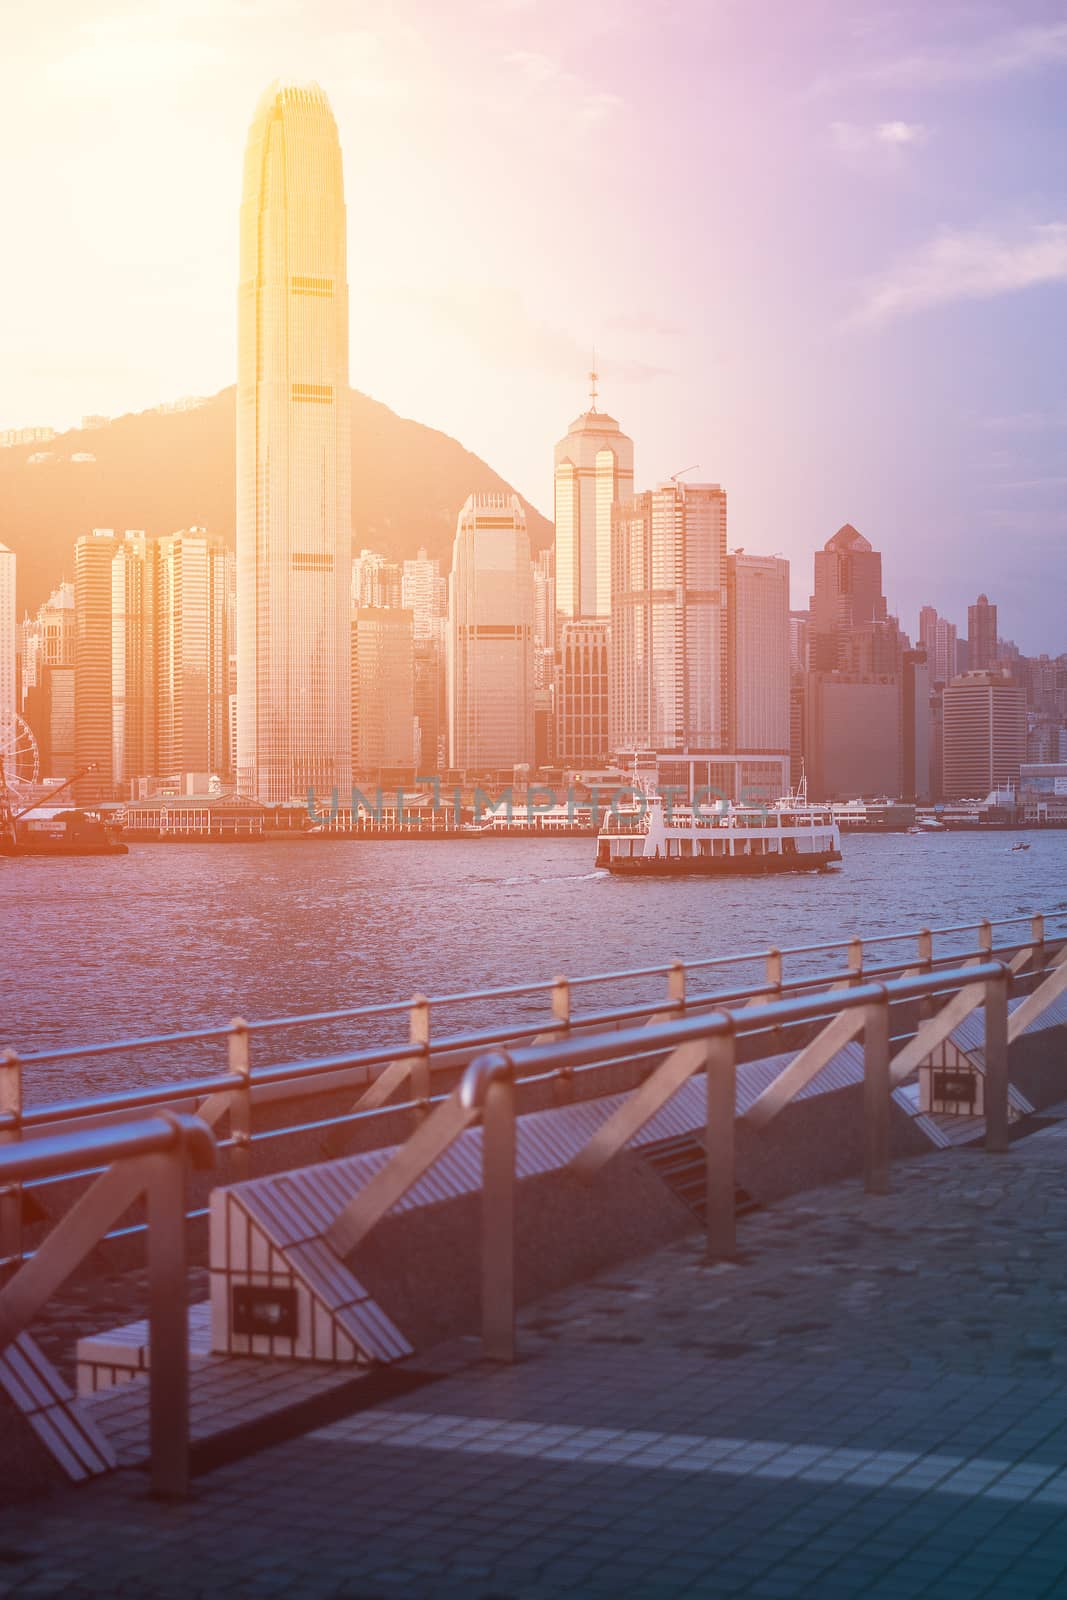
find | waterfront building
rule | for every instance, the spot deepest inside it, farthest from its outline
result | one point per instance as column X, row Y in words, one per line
column 668, row 621
column 48, row 681
column 581, row 720
column 983, row 652
column 938, row 638
column 758, row 664
column 1043, row 791
column 135, row 606
column 594, row 472
column 383, row 689
column 490, row 637
column 915, row 766
column 984, row 734
column 848, row 594
column 852, row 726
column 8, row 648
column 93, row 687
column 193, row 619
column 293, row 455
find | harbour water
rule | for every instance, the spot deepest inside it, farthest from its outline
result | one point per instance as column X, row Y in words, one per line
column 174, row 936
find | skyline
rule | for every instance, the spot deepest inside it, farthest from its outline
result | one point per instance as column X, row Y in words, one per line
column 853, row 318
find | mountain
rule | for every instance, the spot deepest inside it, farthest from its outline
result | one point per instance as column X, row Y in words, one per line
column 164, row 470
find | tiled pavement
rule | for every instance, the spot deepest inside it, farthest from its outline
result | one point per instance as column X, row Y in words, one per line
column 871, row 1402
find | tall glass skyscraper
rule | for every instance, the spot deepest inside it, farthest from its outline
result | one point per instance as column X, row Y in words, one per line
column 594, row 470
column 293, row 455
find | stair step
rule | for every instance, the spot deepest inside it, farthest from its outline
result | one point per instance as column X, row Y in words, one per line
column 680, row 1162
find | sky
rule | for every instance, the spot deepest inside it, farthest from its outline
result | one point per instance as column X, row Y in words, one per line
column 819, row 246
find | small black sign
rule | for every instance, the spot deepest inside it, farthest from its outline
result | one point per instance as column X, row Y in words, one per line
column 260, row 1309
column 961, row 1087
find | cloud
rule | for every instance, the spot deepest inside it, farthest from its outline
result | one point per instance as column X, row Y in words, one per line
column 498, row 323
column 1002, row 55
column 884, row 143
column 976, row 265
column 546, row 79
column 1027, row 422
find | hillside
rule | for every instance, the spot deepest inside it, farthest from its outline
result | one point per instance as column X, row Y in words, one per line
column 167, row 470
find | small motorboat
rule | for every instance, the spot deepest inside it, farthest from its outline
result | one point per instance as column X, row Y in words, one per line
column 1021, row 844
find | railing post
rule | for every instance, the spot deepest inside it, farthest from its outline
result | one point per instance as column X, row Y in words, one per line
column 168, row 1325
column 11, row 1194
column 419, row 1034
column 985, row 936
column 676, row 984
column 996, row 1064
column 1037, row 940
column 240, row 1065
column 720, row 1071
column 876, row 1097
column 773, row 975
column 563, row 1084
column 498, row 1217
column 926, row 962
column 855, row 961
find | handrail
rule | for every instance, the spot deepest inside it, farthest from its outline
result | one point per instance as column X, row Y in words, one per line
column 144, row 1159
column 542, row 986
column 685, row 1044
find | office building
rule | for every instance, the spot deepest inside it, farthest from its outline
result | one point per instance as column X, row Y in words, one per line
column 93, row 687
column 669, row 640
column 938, row 638
column 758, row 670
column 135, row 614
column 490, row 637
column 984, row 734
column 848, row 595
column 383, row 689
column 194, row 610
column 594, row 471
column 293, row 455
column 581, row 708
column 983, row 652
column 48, row 644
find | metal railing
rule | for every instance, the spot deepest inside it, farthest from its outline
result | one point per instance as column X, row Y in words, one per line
column 707, row 1044
column 397, row 1075
column 141, row 1159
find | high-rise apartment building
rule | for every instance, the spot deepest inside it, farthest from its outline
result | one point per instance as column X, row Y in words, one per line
column 383, row 689
column 93, row 686
column 424, row 592
column 848, row 594
column 294, row 541
column 668, row 620
column 8, row 643
column 983, row 653
column 376, row 581
column 48, row 681
column 594, row 471
column 135, row 596
column 983, row 734
column 195, row 586
column 937, row 636
column 581, row 722
column 758, row 672
column 490, row 637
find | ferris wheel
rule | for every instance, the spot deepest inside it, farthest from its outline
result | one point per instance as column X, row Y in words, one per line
column 20, row 762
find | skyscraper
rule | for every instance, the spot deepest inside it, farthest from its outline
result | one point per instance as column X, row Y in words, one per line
column 848, row 596
column 982, row 635
column 490, row 637
column 668, row 620
column 594, row 470
column 293, row 454
column 8, row 707
column 92, row 664
column 195, row 578
column 383, row 689
column 938, row 638
column 48, row 681
column 984, row 736
column 134, row 605
column 759, row 660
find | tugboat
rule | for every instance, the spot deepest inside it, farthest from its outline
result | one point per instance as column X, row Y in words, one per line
column 651, row 839
column 62, row 833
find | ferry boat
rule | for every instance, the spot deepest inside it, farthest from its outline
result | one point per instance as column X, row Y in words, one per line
column 650, row 840
column 62, row 833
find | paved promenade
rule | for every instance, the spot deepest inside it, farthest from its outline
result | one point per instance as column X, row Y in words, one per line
column 871, row 1402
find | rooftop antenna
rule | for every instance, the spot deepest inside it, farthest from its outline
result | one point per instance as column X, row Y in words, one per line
column 593, row 376
column 676, row 475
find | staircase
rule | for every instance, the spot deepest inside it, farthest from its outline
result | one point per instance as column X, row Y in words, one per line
column 681, row 1163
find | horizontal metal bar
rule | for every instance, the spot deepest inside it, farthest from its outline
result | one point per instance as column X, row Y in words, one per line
column 40, row 1158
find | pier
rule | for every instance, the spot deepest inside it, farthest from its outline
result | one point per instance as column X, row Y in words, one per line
column 729, row 1276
